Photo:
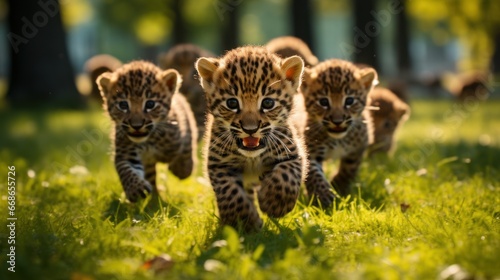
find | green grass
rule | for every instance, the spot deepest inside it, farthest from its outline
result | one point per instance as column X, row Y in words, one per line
column 73, row 223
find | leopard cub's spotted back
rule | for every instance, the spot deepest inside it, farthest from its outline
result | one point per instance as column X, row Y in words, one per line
column 335, row 95
column 152, row 123
column 182, row 58
column 286, row 46
column 250, row 140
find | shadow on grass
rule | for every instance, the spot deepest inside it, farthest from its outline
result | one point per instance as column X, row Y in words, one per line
column 264, row 248
column 40, row 244
column 460, row 161
column 55, row 139
column 120, row 210
column 220, row 247
column 463, row 158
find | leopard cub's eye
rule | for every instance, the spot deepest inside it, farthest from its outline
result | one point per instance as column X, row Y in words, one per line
column 232, row 103
column 123, row 105
column 150, row 104
column 324, row 102
column 349, row 101
column 267, row 104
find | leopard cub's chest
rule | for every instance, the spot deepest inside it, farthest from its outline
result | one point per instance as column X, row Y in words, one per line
column 252, row 168
column 356, row 139
column 158, row 149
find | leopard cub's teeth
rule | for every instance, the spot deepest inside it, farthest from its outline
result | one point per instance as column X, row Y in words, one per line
column 250, row 142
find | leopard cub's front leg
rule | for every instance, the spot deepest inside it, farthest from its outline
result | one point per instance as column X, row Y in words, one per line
column 280, row 188
column 318, row 186
column 236, row 207
column 348, row 169
column 132, row 176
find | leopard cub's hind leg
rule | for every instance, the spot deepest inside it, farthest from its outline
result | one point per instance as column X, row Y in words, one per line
column 183, row 165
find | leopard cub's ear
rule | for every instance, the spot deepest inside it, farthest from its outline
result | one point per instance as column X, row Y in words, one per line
column 403, row 110
column 307, row 79
column 293, row 67
column 104, row 82
column 171, row 79
column 206, row 67
column 367, row 77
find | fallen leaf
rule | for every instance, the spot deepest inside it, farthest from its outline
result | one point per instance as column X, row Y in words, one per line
column 404, row 207
column 80, row 276
column 159, row 263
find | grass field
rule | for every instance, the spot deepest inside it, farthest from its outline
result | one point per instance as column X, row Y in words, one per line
column 432, row 211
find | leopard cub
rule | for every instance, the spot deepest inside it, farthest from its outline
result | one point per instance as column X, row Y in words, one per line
column 389, row 113
column 182, row 58
column 250, row 140
column 335, row 93
column 152, row 123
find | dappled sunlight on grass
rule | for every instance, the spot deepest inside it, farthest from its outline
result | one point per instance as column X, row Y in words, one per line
column 23, row 127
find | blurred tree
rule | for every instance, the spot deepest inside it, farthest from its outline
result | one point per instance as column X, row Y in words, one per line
column 366, row 31
column 76, row 12
column 403, row 40
column 473, row 22
column 301, row 18
column 150, row 21
column 40, row 70
column 495, row 61
column 230, row 12
column 179, row 26
column 201, row 17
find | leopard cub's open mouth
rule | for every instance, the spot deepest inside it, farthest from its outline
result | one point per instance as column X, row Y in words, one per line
column 337, row 129
column 137, row 134
column 250, row 143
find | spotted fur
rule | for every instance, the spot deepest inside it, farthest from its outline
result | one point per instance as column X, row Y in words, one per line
column 182, row 58
column 335, row 94
column 389, row 113
column 286, row 46
column 97, row 65
column 153, row 123
column 250, row 96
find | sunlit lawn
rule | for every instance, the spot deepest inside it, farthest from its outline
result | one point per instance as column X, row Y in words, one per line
column 431, row 211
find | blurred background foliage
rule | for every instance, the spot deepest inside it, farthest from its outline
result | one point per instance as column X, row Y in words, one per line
column 473, row 23
column 442, row 35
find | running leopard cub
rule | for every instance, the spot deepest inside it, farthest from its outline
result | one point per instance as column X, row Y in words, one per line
column 153, row 123
column 335, row 93
column 389, row 114
column 249, row 138
column 182, row 58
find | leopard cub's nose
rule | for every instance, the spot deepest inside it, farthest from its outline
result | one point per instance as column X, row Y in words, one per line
column 137, row 125
column 250, row 128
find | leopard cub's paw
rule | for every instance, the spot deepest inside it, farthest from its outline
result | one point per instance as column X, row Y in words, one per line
column 326, row 198
column 323, row 197
column 138, row 191
column 341, row 185
column 277, row 202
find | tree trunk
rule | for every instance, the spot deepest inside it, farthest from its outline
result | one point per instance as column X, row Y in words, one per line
column 302, row 22
column 40, row 70
column 231, row 26
column 403, row 41
column 495, row 61
column 366, row 31
column 179, row 30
